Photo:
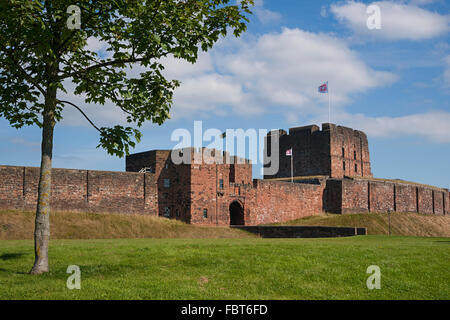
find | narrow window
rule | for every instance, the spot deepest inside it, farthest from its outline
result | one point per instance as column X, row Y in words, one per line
column 221, row 183
column 354, row 155
column 344, row 166
column 205, row 213
column 343, row 152
column 166, row 183
column 356, row 167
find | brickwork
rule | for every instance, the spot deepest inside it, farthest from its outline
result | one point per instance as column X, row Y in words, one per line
column 334, row 151
column 438, row 198
column 275, row 201
column 425, row 200
column 355, row 196
column 80, row 190
column 359, row 195
column 212, row 188
column 405, row 198
column 447, row 202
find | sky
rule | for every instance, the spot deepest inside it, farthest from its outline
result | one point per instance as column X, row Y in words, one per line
column 392, row 82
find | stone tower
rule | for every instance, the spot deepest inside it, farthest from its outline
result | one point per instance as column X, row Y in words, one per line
column 334, row 151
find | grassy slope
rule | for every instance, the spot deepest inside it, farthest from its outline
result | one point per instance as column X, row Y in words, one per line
column 406, row 224
column 16, row 225
column 20, row 225
column 411, row 268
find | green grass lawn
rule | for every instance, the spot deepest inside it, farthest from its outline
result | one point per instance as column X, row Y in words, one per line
column 411, row 268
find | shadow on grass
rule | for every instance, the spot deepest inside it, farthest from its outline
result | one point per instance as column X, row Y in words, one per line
column 11, row 256
column 14, row 272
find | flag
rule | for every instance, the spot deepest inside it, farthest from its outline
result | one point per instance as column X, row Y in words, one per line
column 324, row 88
column 289, row 152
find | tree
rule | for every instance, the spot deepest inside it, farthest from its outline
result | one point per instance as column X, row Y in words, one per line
column 43, row 45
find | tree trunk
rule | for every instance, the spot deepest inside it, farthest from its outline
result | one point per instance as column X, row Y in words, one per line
column 42, row 223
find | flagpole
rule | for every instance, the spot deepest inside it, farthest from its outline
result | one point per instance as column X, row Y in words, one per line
column 292, row 167
column 329, row 104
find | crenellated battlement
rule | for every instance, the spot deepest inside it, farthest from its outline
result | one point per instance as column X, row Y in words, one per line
column 211, row 187
column 334, row 151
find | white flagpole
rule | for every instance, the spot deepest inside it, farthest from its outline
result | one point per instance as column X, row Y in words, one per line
column 292, row 167
column 329, row 103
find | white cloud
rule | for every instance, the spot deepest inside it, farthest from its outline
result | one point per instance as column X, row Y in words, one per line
column 398, row 20
column 101, row 115
column 272, row 73
column 431, row 125
column 96, row 45
column 179, row 68
column 265, row 16
column 279, row 71
column 209, row 92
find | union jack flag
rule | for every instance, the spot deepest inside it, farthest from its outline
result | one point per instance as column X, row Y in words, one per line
column 324, row 88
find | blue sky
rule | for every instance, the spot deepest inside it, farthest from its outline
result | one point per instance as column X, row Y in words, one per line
column 393, row 83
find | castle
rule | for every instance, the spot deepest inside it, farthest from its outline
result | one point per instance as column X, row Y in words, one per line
column 330, row 172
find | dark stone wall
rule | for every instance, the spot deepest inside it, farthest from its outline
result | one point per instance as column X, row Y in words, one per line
column 333, row 196
column 303, row 231
column 311, row 152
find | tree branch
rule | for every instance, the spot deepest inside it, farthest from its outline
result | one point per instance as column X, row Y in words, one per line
column 70, row 36
column 81, row 111
column 103, row 64
column 17, row 65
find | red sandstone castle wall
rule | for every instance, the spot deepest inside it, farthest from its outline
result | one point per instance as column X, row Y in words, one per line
column 381, row 196
column 361, row 195
column 405, row 198
column 197, row 187
column 276, row 201
column 204, row 186
column 11, row 187
column 334, row 151
column 262, row 201
column 350, row 147
column 425, row 200
column 80, row 190
column 208, row 193
column 354, row 196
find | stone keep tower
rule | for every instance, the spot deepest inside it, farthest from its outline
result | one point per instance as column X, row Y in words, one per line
column 334, row 151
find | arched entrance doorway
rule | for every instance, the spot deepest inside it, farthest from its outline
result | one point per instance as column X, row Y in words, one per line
column 236, row 214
